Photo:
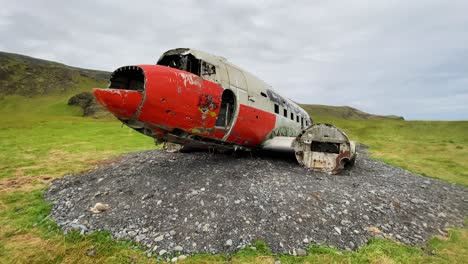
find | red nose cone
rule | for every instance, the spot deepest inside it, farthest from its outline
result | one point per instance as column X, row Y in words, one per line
column 122, row 103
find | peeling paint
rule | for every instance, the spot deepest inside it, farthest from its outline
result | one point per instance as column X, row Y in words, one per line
column 191, row 79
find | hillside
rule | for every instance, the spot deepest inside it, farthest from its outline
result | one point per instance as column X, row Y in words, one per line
column 26, row 82
column 343, row 112
column 27, row 76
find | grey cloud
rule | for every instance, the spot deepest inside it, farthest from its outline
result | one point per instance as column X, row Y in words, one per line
column 387, row 57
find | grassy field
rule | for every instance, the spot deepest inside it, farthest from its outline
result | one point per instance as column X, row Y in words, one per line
column 41, row 139
column 433, row 149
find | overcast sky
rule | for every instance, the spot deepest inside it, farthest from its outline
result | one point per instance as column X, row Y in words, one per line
column 403, row 57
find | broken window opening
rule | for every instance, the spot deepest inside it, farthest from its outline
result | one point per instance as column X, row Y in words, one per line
column 128, row 78
column 326, row 147
column 292, row 116
column 182, row 62
column 302, row 121
column 263, row 94
column 276, row 109
column 297, row 119
column 285, row 112
column 207, row 68
column 226, row 113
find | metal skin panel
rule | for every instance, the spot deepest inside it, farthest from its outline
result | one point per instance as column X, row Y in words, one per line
column 252, row 126
column 177, row 99
column 122, row 103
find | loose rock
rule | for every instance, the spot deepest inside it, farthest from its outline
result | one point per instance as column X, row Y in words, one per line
column 273, row 193
column 99, row 208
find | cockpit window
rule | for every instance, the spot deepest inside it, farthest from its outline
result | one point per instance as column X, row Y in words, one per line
column 182, row 62
column 207, row 69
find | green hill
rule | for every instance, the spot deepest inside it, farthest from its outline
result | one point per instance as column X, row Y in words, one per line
column 27, row 76
column 343, row 112
column 46, row 86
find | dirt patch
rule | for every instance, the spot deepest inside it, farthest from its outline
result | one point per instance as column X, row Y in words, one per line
column 24, row 183
column 201, row 202
column 29, row 248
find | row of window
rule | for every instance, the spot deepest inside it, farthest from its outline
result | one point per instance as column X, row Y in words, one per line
column 299, row 119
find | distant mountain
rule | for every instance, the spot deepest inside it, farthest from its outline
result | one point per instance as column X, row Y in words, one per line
column 28, row 76
column 343, row 112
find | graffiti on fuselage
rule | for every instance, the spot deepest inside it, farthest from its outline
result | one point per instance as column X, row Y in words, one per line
column 285, row 103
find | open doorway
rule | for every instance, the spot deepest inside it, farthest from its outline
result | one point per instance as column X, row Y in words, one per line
column 228, row 107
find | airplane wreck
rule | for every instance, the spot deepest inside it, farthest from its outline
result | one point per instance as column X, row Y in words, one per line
column 194, row 99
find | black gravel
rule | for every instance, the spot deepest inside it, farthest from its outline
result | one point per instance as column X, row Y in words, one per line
column 202, row 202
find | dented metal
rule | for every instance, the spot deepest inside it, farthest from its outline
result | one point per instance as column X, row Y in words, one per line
column 324, row 147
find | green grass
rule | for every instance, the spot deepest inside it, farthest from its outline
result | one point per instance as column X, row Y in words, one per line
column 43, row 138
column 435, row 149
column 62, row 145
column 52, row 139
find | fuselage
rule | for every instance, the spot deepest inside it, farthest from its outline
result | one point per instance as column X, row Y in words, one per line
column 191, row 96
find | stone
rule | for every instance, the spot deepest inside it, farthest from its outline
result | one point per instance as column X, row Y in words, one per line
column 174, row 259
column 99, row 208
column 140, row 237
column 301, row 252
column 132, row 234
column 91, row 253
column 172, row 233
column 306, row 241
column 338, row 230
column 178, row 248
column 182, row 257
column 373, row 229
column 159, row 238
column 228, row 243
column 162, row 252
column 345, row 222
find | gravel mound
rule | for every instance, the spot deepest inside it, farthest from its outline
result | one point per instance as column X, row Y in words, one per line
column 202, row 202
